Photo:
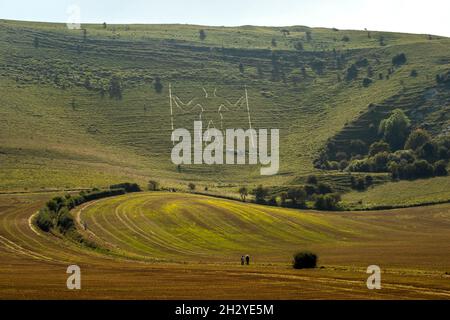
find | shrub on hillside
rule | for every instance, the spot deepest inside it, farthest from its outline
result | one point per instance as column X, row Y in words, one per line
column 395, row 129
column 359, row 165
column 423, row 169
column 202, row 34
column 399, row 59
column 324, row 188
column 297, row 196
column 115, row 88
column 153, row 185
column 333, row 165
column 429, row 151
column 260, row 194
column 128, row 187
column 367, row 82
column 157, row 84
column 379, row 162
column 55, row 204
column 310, row 190
column 417, row 139
column 377, row 147
column 243, row 192
column 360, row 184
column 368, row 181
column 327, row 201
column 57, row 211
column 440, row 168
column 65, row 221
column 352, row 73
column 343, row 164
column 341, row 155
column 305, row 260
column 191, row 186
column 358, row 146
column 312, row 179
column 44, row 220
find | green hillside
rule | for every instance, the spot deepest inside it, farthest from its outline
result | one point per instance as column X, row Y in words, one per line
column 61, row 129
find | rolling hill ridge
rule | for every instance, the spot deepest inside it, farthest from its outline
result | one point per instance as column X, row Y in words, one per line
column 65, row 128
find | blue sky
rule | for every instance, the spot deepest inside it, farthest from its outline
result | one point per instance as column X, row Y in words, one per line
column 431, row 16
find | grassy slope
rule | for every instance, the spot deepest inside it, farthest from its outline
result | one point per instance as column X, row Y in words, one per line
column 401, row 194
column 102, row 140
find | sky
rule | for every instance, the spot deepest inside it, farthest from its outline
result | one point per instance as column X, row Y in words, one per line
column 426, row 17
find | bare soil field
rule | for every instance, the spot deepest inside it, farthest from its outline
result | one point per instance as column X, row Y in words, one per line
column 153, row 253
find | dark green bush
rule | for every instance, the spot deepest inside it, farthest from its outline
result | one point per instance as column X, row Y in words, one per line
column 352, row 73
column 260, row 194
column 305, row 260
column 440, row 168
column 395, row 129
column 272, row 201
column 367, row 82
column 65, row 221
column 423, row 169
column 377, row 147
column 297, row 196
column 312, row 179
column 191, row 186
column 44, row 220
column 128, row 187
column 324, row 188
column 310, row 190
column 358, row 146
column 327, row 201
column 399, row 60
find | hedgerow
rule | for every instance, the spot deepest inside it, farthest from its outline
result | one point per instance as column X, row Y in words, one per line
column 56, row 216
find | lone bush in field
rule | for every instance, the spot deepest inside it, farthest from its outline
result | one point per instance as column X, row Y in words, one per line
column 305, row 260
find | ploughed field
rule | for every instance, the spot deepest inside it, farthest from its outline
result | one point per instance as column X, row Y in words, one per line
column 173, row 245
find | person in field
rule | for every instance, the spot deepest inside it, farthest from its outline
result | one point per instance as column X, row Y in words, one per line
column 242, row 260
column 247, row 259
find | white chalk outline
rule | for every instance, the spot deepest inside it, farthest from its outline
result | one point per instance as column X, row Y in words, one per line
column 190, row 106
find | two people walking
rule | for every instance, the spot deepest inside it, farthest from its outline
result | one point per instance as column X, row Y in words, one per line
column 245, row 260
